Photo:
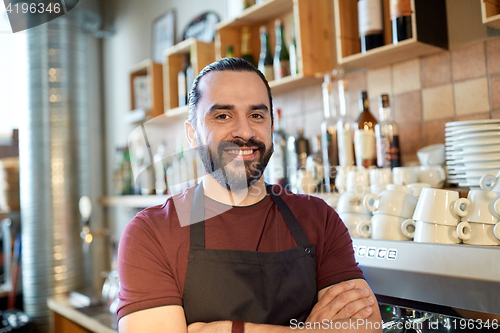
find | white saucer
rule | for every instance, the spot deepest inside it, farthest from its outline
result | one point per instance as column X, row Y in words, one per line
column 472, row 122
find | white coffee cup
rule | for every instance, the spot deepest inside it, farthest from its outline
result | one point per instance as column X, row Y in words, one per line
column 433, row 175
column 479, row 233
column 489, row 182
column 377, row 189
column 432, row 155
column 483, row 207
column 440, row 207
column 351, row 202
column 396, row 200
column 417, row 188
column 430, row 232
column 404, row 175
column 352, row 220
column 358, row 181
column 382, row 227
column 341, row 178
column 381, row 176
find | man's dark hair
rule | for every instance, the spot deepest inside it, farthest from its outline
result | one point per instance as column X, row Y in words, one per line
column 225, row 64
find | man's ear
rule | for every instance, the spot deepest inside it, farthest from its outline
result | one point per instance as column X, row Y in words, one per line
column 190, row 135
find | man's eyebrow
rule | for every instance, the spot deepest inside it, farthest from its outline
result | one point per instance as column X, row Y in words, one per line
column 259, row 107
column 220, row 107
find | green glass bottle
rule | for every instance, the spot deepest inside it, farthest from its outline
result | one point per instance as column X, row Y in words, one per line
column 266, row 58
column 281, row 55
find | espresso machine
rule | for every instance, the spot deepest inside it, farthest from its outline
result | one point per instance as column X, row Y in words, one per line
column 423, row 287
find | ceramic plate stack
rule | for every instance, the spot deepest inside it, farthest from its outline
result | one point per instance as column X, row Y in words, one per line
column 472, row 150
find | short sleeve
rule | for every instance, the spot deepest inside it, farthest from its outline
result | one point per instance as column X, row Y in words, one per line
column 146, row 277
column 338, row 263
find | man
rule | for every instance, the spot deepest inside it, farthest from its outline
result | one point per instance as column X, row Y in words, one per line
column 251, row 257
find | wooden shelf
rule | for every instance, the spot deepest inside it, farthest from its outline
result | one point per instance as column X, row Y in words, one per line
column 429, row 31
column 155, row 83
column 389, row 54
column 262, row 12
column 135, row 201
column 490, row 10
column 314, row 36
column 292, row 82
column 201, row 55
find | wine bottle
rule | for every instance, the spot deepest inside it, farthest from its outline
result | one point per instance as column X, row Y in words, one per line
column 281, row 56
column 294, row 68
column 302, row 149
column 160, row 170
column 387, row 137
column 345, row 128
column 315, row 164
column 182, row 85
column 364, row 135
column 371, row 25
column 277, row 164
column 246, row 53
column 265, row 59
column 329, row 135
column 401, row 20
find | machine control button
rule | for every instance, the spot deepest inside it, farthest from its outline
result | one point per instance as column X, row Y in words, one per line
column 381, row 253
column 392, row 254
column 361, row 251
column 371, row 252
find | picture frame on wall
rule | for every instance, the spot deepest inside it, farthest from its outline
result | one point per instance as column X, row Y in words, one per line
column 163, row 34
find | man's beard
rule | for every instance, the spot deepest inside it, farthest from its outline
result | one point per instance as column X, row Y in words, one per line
column 232, row 173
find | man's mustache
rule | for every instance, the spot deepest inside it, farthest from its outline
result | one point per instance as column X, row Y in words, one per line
column 226, row 145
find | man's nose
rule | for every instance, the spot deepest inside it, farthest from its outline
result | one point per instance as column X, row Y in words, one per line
column 243, row 129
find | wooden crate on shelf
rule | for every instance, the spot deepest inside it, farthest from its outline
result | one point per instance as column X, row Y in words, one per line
column 490, row 10
column 202, row 54
column 429, row 34
column 314, row 37
column 153, row 71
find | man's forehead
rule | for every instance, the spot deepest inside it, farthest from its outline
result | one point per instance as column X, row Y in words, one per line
column 217, row 78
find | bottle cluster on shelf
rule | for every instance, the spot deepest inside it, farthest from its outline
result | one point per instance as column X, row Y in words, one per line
column 185, row 79
column 371, row 22
column 343, row 142
column 274, row 67
column 136, row 174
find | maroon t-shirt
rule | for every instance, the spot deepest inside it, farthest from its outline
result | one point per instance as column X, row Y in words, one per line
column 154, row 247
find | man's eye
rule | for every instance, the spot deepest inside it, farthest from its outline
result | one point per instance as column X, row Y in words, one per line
column 257, row 116
column 221, row 117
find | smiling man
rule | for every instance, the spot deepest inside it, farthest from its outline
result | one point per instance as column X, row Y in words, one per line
column 252, row 257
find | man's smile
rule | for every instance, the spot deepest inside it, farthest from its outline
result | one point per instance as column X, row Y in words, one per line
column 245, row 153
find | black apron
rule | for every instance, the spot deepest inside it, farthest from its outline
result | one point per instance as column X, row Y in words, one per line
column 252, row 286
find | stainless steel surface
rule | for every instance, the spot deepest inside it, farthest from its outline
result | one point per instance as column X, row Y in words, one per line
column 459, row 276
column 54, row 172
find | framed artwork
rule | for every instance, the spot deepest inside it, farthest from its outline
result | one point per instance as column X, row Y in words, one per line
column 163, row 34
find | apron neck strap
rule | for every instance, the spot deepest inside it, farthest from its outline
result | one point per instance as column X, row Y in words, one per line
column 197, row 219
column 290, row 219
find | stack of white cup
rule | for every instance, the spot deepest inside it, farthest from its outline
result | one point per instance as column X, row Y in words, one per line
column 432, row 158
column 436, row 217
column 481, row 225
column 390, row 210
column 350, row 204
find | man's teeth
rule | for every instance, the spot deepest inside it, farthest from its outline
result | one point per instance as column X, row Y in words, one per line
column 241, row 152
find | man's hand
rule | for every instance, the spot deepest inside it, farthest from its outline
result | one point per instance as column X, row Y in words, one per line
column 342, row 301
column 214, row 327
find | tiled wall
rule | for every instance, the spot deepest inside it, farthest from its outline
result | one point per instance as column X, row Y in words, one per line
column 425, row 93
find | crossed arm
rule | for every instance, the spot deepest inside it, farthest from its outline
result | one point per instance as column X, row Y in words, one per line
column 344, row 307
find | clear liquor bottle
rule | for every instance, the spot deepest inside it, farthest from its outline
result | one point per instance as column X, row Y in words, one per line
column 278, row 163
column 266, row 58
column 345, row 127
column 387, row 137
column 329, row 135
column 281, row 55
column 364, row 135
